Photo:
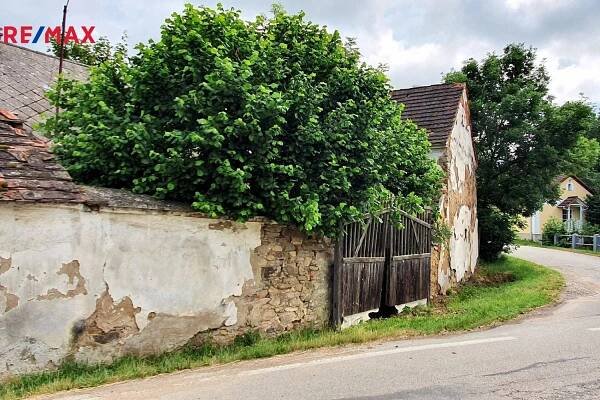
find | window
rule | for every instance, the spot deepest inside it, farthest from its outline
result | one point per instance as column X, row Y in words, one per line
column 570, row 186
column 565, row 215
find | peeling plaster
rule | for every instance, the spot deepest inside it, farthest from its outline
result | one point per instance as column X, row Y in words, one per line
column 457, row 259
column 10, row 300
column 460, row 244
column 5, row 264
column 114, row 283
column 110, row 321
column 71, row 270
column 223, row 225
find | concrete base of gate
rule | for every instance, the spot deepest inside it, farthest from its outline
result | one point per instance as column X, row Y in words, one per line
column 354, row 319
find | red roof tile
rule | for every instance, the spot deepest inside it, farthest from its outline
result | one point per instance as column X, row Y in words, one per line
column 28, row 169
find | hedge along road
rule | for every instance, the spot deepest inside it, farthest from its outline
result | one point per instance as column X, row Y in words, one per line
column 553, row 354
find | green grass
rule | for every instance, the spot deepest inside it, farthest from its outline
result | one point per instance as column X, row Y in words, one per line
column 523, row 242
column 501, row 291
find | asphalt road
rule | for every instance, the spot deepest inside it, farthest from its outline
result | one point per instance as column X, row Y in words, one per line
column 553, row 354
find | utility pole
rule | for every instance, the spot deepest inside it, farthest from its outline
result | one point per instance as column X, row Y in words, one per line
column 62, row 53
column 62, row 38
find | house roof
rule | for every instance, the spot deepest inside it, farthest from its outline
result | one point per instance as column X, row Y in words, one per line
column 28, row 170
column 561, row 178
column 571, row 200
column 25, row 75
column 30, row 173
column 433, row 108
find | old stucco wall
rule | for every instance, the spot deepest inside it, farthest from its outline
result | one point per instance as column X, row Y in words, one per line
column 457, row 259
column 98, row 285
column 291, row 286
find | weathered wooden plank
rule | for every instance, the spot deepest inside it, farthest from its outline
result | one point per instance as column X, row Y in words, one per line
column 347, row 260
column 411, row 256
column 365, row 229
column 362, row 287
column 415, row 219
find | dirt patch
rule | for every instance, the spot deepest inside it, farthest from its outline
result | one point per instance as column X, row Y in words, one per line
column 495, row 279
column 439, row 304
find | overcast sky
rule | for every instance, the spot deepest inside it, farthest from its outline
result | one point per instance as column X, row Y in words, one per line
column 419, row 40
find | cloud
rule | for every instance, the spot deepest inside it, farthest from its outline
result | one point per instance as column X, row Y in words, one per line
column 517, row 5
column 418, row 40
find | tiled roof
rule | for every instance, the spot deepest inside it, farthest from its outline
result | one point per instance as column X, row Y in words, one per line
column 28, row 170
column 120, row 198
column 25, row 75
column 571, row 200
column 433, row 108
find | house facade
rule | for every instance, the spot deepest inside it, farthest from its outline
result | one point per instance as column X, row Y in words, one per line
column 570, row 209
column 444, row 112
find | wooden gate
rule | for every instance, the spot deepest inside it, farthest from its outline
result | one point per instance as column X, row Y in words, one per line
column 379, row 263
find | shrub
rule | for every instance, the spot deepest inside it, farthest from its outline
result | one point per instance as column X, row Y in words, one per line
column 552, row 227
column 496, row 230
column 589, row 229
column 275, row 117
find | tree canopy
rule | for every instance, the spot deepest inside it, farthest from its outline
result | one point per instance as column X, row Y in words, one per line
column 584, row 162
column 275, row 117
column 522, row 139
column 92, row 54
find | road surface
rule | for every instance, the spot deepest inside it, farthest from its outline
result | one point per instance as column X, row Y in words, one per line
column 554, row 354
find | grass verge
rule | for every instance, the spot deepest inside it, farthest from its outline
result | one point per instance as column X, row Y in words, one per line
column 500, row 291
column 522, row 242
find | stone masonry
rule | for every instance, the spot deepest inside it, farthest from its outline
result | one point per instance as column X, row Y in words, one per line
column 291, row 289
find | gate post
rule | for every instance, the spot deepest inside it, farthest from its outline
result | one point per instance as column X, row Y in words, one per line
column 556, row 239
column 574, row 241
column 336, row 311
column 596, row 246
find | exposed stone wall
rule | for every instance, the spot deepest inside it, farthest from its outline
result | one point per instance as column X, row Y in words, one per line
column 457, row 259
column 95, row 285
column 291, row 288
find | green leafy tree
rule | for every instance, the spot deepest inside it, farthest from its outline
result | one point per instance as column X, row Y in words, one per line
column 583, row 160
column 593, row 211
column 91, row 54
column 274, row 117
column 521, row 139
column 595, row 128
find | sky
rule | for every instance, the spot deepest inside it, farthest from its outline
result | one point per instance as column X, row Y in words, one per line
column 419, row 40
